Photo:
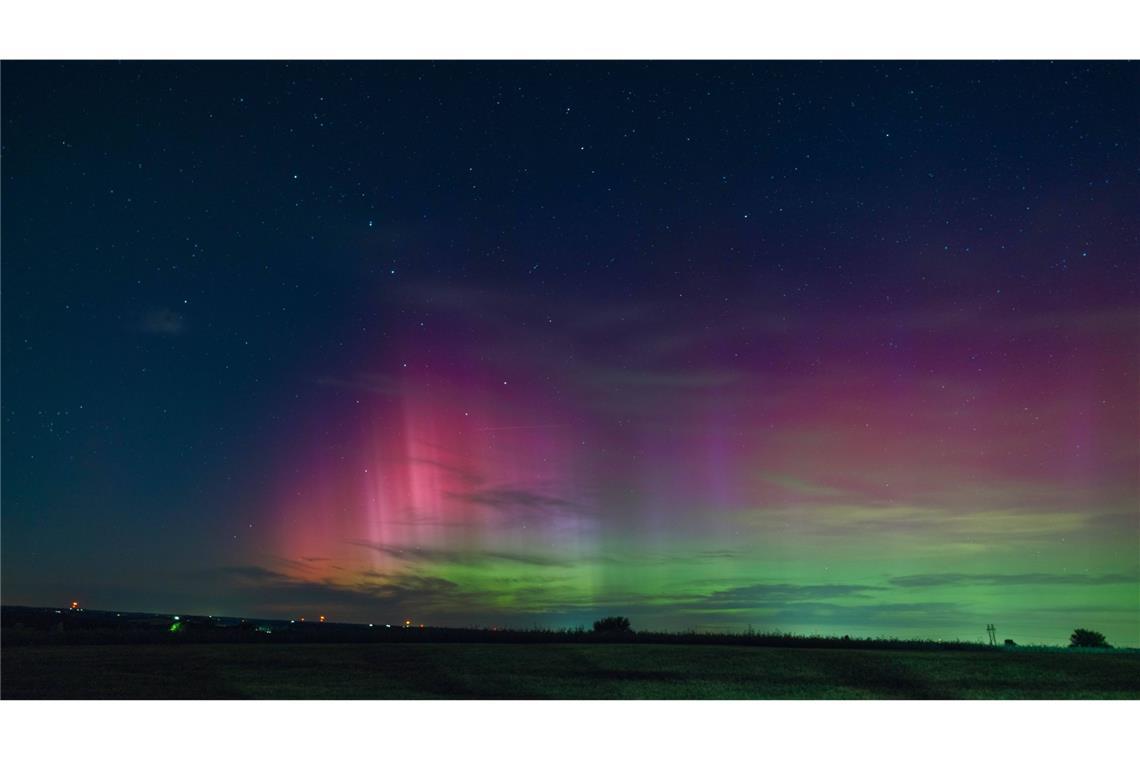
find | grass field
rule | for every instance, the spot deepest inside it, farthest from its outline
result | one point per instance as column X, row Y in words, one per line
column 554, row 671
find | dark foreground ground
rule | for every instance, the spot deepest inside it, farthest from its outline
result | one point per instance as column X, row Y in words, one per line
column 553, row 671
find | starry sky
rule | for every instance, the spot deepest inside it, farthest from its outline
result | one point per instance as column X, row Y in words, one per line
column 818, row 347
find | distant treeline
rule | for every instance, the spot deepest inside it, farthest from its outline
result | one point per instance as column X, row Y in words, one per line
column 31, row 626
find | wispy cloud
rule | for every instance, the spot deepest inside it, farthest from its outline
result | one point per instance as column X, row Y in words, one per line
column 384, row 593
column 516, row 498
column 464, row 474
column 761, row 594
column 449, row 556
column 927, row 527
column 1010, row 579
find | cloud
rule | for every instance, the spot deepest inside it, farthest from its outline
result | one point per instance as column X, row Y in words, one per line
column 954, row 495
column 802, row 489
column 759, row 594
column 302, row 565
column 459, row 556
column 163, row 322
column 1010, row 579
column 511, row 499
column 393, row 594
column 927, row 528
column 538, row 600
column 887, row 615
column 634, row 357
column 468, row 476
column 769, row 606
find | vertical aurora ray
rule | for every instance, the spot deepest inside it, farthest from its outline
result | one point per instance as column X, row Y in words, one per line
column 855, row 494
column 702, row 344
column 444, row 482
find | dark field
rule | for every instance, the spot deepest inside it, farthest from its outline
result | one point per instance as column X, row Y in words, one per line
column 554, row 671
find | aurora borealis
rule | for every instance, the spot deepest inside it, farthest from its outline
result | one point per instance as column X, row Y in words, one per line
column 847, row 348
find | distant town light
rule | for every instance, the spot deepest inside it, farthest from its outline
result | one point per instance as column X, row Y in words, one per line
column 177, row 618
column 370, row 625
column 322, row 618
column 75, row 605
column 387, row 625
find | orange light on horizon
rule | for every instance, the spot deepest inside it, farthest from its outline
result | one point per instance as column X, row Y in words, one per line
column 322, row 618
column 75, row 605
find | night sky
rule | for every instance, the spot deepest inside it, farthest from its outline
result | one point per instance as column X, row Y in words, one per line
column 841, row 348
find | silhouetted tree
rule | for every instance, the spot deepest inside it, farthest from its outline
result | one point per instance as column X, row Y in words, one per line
column 1010, row 643
column 606, row 625
column 1085, row 638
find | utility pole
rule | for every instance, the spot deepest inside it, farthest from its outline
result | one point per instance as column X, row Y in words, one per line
column 993, row 634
